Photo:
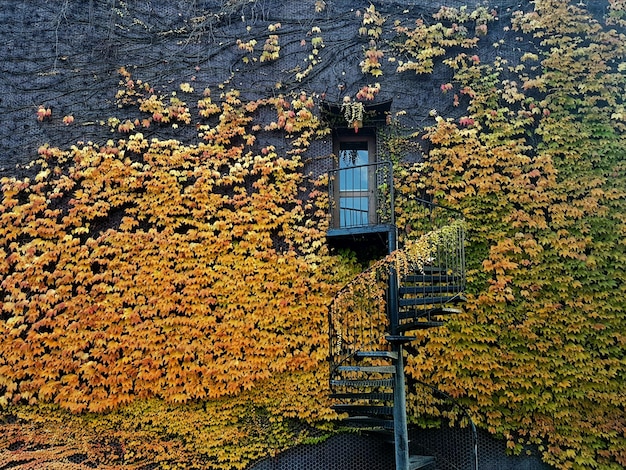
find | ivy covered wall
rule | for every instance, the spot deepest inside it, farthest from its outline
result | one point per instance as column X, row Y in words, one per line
column 164, row 263
column 65, row 56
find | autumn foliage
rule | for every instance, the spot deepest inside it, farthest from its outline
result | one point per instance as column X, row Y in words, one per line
column 539, row 174
column 153, row 269
column 172, row 294
column 146, row 268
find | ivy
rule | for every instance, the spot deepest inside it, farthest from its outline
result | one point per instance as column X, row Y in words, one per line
column 424, row 43
column 158, row 270
column 537, row 172
column 154, row 290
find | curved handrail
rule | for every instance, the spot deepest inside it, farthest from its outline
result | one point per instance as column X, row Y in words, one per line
column 426, row 202
column 360, row 317
column 357, row 316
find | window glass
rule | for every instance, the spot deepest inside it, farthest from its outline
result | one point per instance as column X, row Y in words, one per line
column 354, row 181
column 353, row 211
column 353, row 154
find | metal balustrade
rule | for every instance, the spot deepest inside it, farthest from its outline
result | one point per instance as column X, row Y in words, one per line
column 361, row 195
column 432, row 285
column 360, row 315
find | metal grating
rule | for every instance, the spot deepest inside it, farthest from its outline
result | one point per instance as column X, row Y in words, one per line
column 340, row 452
column 352, row 451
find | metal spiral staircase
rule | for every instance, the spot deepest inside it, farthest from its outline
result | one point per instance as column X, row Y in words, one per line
column 373, row 317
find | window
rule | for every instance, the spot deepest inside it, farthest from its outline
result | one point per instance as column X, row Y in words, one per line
column 354, row 194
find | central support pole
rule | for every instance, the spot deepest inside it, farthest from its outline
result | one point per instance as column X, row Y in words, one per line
column 400, row 431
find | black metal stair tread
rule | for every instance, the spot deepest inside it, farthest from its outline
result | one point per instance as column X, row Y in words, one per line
column 431, row 278
column 404, row 290
column 384, row 354
column 360, row 410
column 363, row 383
column 421, row 313
column 368, row 369
column 420, row 325
column 399, row 338
column 369, row 422
column 429, row 268
column 378, row 396
column 425, row 462
column 430, row 300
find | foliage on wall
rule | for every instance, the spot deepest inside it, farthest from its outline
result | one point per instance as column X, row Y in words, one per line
column 456, row 28
column 226, row 433
column 153, row 269
column 158, row 288
column 537, row 166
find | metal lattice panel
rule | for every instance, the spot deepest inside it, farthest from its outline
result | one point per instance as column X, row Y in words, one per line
column 343, row 451
column 452, row 448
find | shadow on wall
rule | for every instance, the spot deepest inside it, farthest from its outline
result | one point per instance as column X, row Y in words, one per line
column 352, row 451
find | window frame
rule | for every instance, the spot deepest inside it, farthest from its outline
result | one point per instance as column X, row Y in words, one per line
column 371, row 194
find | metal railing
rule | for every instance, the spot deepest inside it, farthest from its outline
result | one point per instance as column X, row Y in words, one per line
column 361, row 195
column 360, row 315
column 434, row 279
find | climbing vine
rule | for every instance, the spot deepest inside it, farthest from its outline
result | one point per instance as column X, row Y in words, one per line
column 154, row 289
column 372, row 29
column 424, row 43
column 536, row 166
column 148, row 269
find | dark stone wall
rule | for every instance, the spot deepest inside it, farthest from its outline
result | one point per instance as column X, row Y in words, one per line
column 65, row 54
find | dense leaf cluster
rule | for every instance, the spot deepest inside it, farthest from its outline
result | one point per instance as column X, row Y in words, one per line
column 147, row 269
column 538, row 169
column 146, row 273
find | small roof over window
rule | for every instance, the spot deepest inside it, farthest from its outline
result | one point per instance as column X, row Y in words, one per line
column 374, row 114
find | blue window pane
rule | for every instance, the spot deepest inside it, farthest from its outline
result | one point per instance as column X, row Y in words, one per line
column 352, row 155
column 353, row 185
column 353, row 179
column 353, row 211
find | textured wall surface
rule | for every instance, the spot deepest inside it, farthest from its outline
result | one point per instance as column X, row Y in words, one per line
column 65, row 54
column 452, row 449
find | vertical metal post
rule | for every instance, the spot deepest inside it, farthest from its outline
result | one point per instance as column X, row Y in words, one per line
column 392, row 239
column 401, row 434
column 400, row 431
column 392, row 301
